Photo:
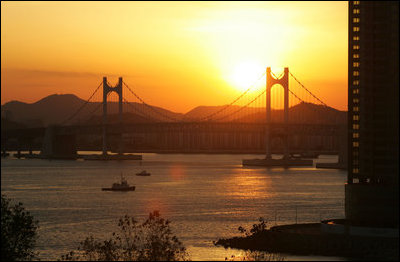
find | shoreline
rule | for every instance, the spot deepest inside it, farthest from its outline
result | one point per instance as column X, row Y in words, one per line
column 307, row 239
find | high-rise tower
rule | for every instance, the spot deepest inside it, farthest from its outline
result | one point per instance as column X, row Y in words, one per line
column 372, row 189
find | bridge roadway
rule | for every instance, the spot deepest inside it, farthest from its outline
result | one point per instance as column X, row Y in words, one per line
column 194, row 136
column 202, row 127
column 320, row 129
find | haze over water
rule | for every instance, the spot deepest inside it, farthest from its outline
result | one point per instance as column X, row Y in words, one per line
column 206, row 197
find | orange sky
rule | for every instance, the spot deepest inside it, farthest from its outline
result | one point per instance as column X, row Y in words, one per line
column 176, row 55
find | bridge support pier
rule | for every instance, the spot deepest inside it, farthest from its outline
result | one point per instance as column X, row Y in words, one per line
column 58, row 146
column 285, row 162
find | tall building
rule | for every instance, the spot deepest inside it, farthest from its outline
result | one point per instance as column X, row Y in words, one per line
column 372, row 189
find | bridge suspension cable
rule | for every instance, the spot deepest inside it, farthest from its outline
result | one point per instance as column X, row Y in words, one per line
column 82, row 106
column 208, row 117
column 243, row 107
column 291, row 92
column 308, row 90
column 97, row 108
column 135, row 109
column 150, row 107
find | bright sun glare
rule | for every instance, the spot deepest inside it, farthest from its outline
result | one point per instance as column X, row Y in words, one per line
column 246, row 74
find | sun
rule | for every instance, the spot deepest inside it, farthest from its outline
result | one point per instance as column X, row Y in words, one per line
column 245, row 74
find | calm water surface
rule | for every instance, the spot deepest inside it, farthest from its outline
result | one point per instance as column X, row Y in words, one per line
column 205, row 196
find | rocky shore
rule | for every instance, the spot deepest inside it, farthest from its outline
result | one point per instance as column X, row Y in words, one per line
column 307, row 239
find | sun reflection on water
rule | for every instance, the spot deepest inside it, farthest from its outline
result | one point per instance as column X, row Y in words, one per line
column 176, row 172
column 248, row 184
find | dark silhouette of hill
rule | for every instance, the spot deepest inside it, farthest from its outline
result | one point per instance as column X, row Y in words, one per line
column 9, row 124
column 54, row 109
column 200, row 112
column 48, row 110
column 127, row 118
column 300, row 113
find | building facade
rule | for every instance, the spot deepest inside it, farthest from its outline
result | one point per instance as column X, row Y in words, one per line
column 372, row 196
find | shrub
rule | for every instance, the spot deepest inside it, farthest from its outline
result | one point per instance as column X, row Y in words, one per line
column 18, row 232
column 151, row 240
column 256, row 255
column 256, row 229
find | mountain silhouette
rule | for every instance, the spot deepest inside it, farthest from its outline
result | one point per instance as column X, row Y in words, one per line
column 57, row 109
column 300, row 113
column 201, row 112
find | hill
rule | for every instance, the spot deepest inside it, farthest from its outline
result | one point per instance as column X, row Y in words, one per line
column 300, row 113
column 55, row 109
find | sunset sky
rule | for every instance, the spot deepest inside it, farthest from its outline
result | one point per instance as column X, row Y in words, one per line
column 177, row 55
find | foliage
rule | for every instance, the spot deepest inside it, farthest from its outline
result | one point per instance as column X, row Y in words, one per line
column 18, row 232
column 256, row 229
column 257, row 256
column 151, row 240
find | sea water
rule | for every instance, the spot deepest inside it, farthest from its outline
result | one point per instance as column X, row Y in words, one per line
column 206, row 197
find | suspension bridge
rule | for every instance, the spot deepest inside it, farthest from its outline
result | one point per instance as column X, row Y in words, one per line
column 270, row 118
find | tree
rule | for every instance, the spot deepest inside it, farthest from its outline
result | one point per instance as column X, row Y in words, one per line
column 256, row 229
column 18, row 232
column 256, row 255
column 151, row 240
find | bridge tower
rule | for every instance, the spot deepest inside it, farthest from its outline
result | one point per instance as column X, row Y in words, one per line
column 106, row 90
column 284, row 82
column 283, row 133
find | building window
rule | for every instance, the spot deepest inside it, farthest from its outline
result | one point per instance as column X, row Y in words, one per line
column 356, row 55
column 356, row 28
column 355, row 100
column 356, row 64
column 355, row 144
column 356, row 2
column 356, row 38
column 356, row 135
column 356, row 11
column 356, row 20
column 355, row 170
column 355, row 108
column 356, row 91
column 356, row 126
column 356, row 47
column 356, row 73
column 356, row 82
column 356, row 118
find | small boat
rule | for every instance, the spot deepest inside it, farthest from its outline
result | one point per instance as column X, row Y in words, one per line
column 143, row 173
column 123, row 186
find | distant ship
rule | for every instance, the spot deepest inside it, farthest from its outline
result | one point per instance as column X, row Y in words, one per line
column 143, row 173
column 123, row 186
